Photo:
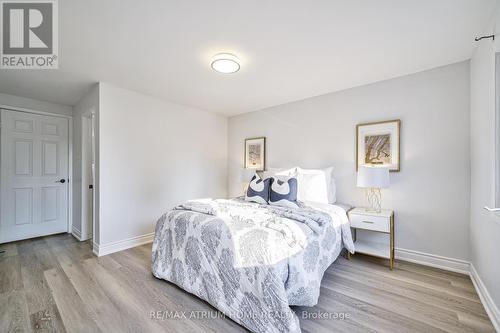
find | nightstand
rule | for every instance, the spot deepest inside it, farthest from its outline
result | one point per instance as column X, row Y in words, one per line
column 382, row 222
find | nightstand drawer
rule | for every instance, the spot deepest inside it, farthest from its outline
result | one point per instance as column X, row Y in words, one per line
column 375, row 223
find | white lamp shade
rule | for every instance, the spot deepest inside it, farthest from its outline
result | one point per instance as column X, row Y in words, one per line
column 373, row 176
column 246, row 175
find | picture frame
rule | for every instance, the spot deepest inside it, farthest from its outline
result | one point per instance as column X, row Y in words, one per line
column 255, row 153
column 378, row 143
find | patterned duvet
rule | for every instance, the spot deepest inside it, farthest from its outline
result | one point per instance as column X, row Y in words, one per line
column 248, row 260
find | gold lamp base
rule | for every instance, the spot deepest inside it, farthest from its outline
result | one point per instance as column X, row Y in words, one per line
column 374, row 198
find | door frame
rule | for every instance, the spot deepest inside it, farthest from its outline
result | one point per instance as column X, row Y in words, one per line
column 70, row 152
column 89, row 117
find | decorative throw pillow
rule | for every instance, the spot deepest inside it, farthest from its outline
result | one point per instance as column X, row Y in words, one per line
column 283, row 191
column 258, row 190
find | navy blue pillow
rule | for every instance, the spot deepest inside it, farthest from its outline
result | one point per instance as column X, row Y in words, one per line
column 258, row 190
column 283, row 191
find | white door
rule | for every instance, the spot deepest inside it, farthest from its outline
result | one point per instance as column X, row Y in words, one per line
column 34, row 175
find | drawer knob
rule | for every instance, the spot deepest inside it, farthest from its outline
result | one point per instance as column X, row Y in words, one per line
column 371, row 222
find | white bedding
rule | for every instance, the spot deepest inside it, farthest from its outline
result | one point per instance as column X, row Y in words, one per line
column 251, row 261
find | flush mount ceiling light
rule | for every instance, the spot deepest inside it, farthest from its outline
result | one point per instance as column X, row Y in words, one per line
column 225, row 63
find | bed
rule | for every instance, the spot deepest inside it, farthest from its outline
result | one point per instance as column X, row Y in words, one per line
column 250, row 261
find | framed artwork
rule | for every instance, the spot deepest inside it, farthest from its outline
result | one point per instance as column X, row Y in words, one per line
column 378, row 144
column 255, row 153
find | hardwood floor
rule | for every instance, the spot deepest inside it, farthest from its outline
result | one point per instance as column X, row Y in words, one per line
column 56, row 284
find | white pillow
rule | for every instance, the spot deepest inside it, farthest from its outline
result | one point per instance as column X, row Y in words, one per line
column 330, row 183
column 271, row 172
column 316, row 185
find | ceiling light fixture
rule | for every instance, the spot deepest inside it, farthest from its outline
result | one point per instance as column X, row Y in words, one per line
column 225, row 63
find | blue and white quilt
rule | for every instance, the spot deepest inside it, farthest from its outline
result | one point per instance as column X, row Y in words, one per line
column 250, row 261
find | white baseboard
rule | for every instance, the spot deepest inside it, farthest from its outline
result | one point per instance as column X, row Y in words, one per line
column 486, row 299
column 449, row 264
column 104, row 249
column 78, row 235
column 95, row 248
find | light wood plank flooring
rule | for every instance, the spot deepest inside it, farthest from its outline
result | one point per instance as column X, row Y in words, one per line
column 56, row 284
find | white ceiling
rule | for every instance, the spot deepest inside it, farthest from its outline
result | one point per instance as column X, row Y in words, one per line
column 290, row 50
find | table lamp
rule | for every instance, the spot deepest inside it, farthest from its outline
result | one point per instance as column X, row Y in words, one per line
column 373, row 178
column 245, row 178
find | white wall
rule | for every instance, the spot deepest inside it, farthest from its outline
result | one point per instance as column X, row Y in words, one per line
column 89, row 102
column 153, row 156
column 431, row 194
column 18, row 102
column 484, row 226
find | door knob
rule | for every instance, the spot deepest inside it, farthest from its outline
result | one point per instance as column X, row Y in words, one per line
column 62, row 181
column 491, row 209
